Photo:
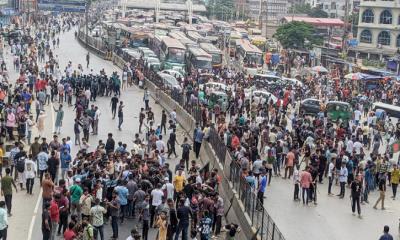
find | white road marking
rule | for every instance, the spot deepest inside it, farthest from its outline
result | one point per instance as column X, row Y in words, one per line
column 35, row 211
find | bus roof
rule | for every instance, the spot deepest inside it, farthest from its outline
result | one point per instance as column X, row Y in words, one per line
column 172, row 43
column 195, row 36
column 198, row 52
column 210, row 48
column 247, row 46
column 384, row 106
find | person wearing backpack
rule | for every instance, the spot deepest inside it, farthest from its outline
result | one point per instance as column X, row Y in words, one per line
column 20, row 166
column 186, row 152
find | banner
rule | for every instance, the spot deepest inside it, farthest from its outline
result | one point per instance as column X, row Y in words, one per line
column 62, row 5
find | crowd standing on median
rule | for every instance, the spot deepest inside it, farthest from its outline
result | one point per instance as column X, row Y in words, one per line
column 103, row 183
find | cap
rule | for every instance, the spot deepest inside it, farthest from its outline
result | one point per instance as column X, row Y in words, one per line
column 166, row 178
column 78, row 180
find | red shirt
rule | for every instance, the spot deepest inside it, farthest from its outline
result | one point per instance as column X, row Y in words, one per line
column 54, row 211
column 69, row 234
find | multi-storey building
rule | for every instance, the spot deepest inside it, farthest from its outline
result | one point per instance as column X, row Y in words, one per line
column 378, row 29
column 334, row 8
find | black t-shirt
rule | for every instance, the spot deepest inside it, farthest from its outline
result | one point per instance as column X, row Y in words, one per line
column 232, row 229
column 53, row 163
column 46, row 216
column 355, row 189
column 114, row 101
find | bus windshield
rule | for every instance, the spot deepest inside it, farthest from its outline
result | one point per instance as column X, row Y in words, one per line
column 176, row 55
column 202, row 63
column 253, row 58
column 216, row 58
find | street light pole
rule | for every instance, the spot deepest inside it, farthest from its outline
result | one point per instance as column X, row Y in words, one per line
column 86, row 22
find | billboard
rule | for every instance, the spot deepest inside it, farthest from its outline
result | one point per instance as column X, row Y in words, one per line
column 62, row 5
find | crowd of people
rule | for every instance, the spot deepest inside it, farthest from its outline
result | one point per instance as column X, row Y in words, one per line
column 86, row 187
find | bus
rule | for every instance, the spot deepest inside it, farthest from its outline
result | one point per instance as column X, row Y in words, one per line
column 249, row 56
column 181, row 37
column 215, row 53
column 172, row 54
column 198, row 59
column 194, row 36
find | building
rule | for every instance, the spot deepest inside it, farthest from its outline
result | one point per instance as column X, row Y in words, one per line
column 324, row 26
column 335, row 9
column 268, row 12
column 166, row 5
column 378, row 29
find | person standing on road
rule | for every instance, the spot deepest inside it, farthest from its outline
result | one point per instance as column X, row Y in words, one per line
column 87, row 60
column 382, row 190
column 76, row 193
column 96, row 215
column 198, row 139
column 54, row 216
column 146, row 98
column 6, row 190
column 142, row 116
column 343, row 173
column 355, row 186
column 59, row 119
column 163, row 121
column 305, row 183
column 171, row 143
column 120, row 115
column 113, row 208
column 183, row 213
column 386, row 235
column 3, row 221
column 46, row 222
column 262, row 185
column 395, row 179
column 30, row 174
column 96, row 117
column 114, row 103
column 122, row 192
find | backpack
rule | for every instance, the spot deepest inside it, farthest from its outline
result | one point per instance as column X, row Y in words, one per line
column 20, row 166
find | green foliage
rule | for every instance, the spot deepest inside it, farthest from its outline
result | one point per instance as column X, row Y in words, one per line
column 306, row 9
column 221, row 9
column 298, row 35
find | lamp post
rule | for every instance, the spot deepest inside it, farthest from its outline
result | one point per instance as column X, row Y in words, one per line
column 86, row 21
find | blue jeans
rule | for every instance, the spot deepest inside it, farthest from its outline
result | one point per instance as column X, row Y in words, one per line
column 182, row 227
column 99, row 229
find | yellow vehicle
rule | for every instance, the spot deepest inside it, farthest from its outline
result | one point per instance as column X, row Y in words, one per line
column 259, row 41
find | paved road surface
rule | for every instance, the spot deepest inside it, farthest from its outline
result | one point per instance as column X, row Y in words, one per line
column 25, row 218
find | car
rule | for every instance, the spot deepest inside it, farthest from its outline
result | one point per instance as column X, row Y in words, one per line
column 292, row 81
column 173, row 73
column 260, row 96
column 214, row 86
column 169, row 81
column 153, row 63
column 310, row 106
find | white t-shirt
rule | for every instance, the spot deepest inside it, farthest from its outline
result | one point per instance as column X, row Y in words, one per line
column 357, row 146
column 357, row 115
column 160, row 145
column 30, row 168
column 156, row 195
column 170, row 190
column 330, row 169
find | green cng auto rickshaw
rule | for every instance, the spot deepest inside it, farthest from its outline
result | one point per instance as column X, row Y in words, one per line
column 220, row 98
column 339, row 111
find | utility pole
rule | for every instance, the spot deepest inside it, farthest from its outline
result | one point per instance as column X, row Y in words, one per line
column 346, row 22
column 157, row 9
column 86, row 21
column 189, row 5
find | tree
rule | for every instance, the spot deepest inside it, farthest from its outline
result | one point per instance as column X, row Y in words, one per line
column 317, row 13
column 306, row 9
column 221, row 9
column 297, row 35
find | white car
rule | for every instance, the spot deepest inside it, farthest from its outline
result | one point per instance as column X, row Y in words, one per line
column 260, row 96
column 169, row 81
column 214, row 86
column 173, row 73
column 292, row 81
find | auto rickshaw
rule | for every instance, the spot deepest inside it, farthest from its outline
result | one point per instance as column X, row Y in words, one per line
column 220, row 98
column 339, row 111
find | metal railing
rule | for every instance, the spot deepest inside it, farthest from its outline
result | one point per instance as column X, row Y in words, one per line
column 259, row 217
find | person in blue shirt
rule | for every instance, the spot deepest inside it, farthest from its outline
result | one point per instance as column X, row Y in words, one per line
column 262, row 186
column 386, row 235
column 205, row 226
column 198, row 139
column 65, row 159
column 122, row 192
column 65, row 146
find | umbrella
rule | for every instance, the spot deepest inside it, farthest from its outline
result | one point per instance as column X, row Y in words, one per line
column 360, row 76
column 319, row 69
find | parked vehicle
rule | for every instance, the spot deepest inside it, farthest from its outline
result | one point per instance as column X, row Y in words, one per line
column 339, row 111
column 310, row 106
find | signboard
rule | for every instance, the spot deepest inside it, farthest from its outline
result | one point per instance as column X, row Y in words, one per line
column 62, row 5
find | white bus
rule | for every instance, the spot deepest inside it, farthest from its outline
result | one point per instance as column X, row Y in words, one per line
column 249, row 56
column 197, row 58
column 172, row 54
column 215, row 52
column 181, row 37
